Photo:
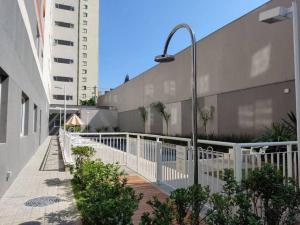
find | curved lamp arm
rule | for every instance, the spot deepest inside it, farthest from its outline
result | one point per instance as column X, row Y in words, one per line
column 168, row 58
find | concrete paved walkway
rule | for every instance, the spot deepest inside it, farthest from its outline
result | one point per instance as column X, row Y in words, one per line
column 41, row 194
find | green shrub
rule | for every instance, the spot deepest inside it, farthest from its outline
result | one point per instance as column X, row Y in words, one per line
column 73, row 128
column 82, row 153
column 184, row 206
column 102, row 129
column 198, row 197
column 280, row 198
column 232, row 207
column 291, row 123
column 277, row 132
column 181, row 199
column 162, row 213
column 102, row 195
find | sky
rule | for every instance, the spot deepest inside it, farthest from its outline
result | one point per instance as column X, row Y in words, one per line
column 132, row 32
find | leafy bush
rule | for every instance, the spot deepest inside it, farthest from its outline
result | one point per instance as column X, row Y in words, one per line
column 279, row 198
column 162, row 213
column 274, row 199
column 277, row 132
column 82, row 153
column 198, row 198
column 184, row 206
column 162, row 110
column 144, row 115
column 116, row 129
column 181, row 199
column 291, row 123
column 232, row 206
column 102, row 195
column 206, row 114
column 102, row 129
column 264, row 198
column 73, row 128
column 90, row 102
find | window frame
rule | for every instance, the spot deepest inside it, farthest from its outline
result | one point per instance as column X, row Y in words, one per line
column 63, row 60
column 63, row 24
column 63, row 42
column 63, row 79
column 4, row 90
column 35, row 118
column 24, row 115
column 64, row 7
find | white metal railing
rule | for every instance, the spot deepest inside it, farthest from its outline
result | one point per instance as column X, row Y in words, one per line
column 65, row 142
column 170, row 161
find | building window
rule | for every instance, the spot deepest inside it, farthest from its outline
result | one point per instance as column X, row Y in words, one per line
column 3, row 105
column 84, row 47
column 83, row 87
column 63, row 42
column 64, row 24
column 84, row 55
column 65, row 7
column 84, row 96
column 85, row 6
column 84, row 22
column 63, row 79
column 84, row 63
column 63, row 60
column 84, row 30
column 84, row 71
column 62, row 97
column 24, row 114
column 84, row 79
column 85, row 14
column 35, row 116
column 84, row 38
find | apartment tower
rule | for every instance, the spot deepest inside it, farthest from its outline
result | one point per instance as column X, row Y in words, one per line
column 71, row 50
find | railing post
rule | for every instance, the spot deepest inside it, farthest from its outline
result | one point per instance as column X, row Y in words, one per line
column 127, row 147
column 238, row 163
column 190, row 164
column 289, row 160
column 100, row 137
column 138, row 149
column 158, row 161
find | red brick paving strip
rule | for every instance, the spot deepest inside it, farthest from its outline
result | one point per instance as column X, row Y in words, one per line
column 141, row 185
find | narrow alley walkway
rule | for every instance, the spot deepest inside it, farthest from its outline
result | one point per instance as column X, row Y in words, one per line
column 41, row 194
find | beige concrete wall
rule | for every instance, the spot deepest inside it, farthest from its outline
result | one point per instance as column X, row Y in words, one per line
column 99, row 118
column 243, row 55
column 252, row 110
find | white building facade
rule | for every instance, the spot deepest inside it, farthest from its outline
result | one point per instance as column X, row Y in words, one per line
column 71, row 50
column 24, row 89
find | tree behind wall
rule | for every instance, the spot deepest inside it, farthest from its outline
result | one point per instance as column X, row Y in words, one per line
column 144, row 116
column 126, row 78
column 206, row 114
column 161, row 109
column 89, row 102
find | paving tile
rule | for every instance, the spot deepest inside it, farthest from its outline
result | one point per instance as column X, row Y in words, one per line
column 40, row 187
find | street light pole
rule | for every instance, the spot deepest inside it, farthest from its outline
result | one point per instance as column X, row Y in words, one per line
column 87, row 121
column 295, row 12
column 164, row 58
column 59, row 118
column 65, row 108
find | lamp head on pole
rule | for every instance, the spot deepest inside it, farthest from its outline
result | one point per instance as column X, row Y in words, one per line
column 165, row 58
